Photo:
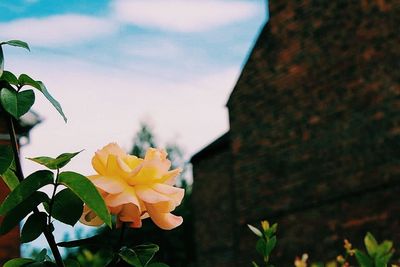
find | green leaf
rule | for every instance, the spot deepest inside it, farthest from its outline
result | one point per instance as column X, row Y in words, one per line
column 26, row 188
column 384, row 248
column 67, row 207
column 10, row 179
column 146, row 252
column 139, row 256
column 254, row 264
column 363, row 259
column 370, row 244
column 130, row 257
column 54, row 102
column 255, row 230
column 71, row 263
column 17, row 262
column 9, row 77
column 55, row 163
column 17, row 103
column 42, row 255
column 21, row 211
column 17, row 43
column 24, row 79
column 33, row 227
column 6, row 157
column 1, row 61
column 272, row 230
column 42, row 264
column 261, row 246
column 86, row 191
column 270, row 245
column 158, row 264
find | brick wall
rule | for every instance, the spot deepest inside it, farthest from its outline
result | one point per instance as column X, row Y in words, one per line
column 213, row 211
column 314, row 128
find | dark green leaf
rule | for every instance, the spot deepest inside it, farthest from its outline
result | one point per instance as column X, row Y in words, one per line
column 6, row 157
column 17, row 262
column 17, row 43
column 1, row 61
column 26, row 188
column 42, row 255
column 363, row 259
column 270, row 245
column 21, row 211
column 33, row 227
column 9, row 77
column 42, row 264
column 384, row 248
column 130, row 257
column 383, row 260
column 55, row 163
column 370, row 244
column 17, row 103
column 159, row 264
column 54, row 102
column 260, row 246
column 24, row 79
column 86, row 191
column 272, row 230
column 67, row 207
column 71, row 263
column 10, row 179
column 146, row 252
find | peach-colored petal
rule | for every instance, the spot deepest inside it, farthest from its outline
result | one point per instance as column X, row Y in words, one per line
column 90, row 218
column 110, row 149
column 130, row 213
column 125, row 197
column 170, row 176
column 112, row 185
column 149, row 195
column 132, row 161
column 166, row 221
column 164, row 206
column 98, row 165
column 176, row 194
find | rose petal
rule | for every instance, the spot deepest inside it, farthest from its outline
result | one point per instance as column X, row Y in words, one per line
column 125, row 197
column 130, row 213
column 169, row 177
column 90, row 218
column 149, row 195
column 112, row 185
column 166, row 221
column 176, row 194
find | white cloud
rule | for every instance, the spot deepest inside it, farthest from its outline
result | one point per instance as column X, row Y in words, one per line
column 183, row 15
column 57, row 30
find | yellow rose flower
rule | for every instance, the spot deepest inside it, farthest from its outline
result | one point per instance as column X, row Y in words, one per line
column 135, row 188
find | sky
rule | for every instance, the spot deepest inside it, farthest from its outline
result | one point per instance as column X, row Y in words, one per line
column 115, row 63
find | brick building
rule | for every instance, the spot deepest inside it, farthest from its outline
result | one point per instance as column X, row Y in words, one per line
column 314, row 139
column 10, row 243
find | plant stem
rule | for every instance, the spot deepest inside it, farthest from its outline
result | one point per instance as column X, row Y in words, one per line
column 47, row 230
column 52, row 197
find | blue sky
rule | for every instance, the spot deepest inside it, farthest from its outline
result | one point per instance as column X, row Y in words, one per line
column 115, row 63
